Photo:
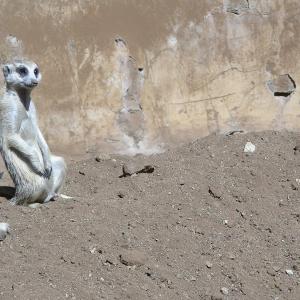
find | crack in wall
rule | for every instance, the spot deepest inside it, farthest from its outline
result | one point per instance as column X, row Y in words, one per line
column 130, row 120
column 203, row 100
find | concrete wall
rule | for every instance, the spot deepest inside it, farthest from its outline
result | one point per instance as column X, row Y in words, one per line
column 122, row 73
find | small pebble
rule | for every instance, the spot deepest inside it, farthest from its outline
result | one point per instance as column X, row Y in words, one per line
column 295, row 268
column 102, row 157
column 121, row 195
column 4, row 230
column 271, row 272
column 145, row 287
column 249, row 148
column 276, row 268
column 111, row 261
column 209, row 264
column 93, row 250
column 231, row 256
column 289, row 272
column 224, row 291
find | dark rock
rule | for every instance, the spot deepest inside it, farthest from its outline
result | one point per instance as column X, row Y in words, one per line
column 129, row 170
column 121, row 195
column 283, row 85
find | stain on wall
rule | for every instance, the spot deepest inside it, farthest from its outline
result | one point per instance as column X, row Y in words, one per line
column 132, row 74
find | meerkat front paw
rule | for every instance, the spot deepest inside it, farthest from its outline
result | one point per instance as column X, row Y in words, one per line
column 47, row 173
column 38, row 168
column 48, row 168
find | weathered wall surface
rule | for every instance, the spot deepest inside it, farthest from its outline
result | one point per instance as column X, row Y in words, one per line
column 128, row 72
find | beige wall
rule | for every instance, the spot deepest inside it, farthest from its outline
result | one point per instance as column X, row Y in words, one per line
column 157, row 70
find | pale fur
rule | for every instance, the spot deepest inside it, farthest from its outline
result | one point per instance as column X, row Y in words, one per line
column 38, row 176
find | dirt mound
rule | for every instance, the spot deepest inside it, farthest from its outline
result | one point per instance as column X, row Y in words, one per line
column 210, row 222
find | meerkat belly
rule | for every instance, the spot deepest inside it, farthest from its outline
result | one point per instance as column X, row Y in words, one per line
column 27, row 131
column 29, row 134
column 18, row 165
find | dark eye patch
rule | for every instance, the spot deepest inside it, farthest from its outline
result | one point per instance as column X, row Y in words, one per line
column 36, row 72
column 22, row 71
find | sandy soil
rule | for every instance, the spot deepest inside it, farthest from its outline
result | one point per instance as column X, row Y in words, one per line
column 210, row 222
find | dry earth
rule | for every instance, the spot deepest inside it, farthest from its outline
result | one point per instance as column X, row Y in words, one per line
column 209, row 221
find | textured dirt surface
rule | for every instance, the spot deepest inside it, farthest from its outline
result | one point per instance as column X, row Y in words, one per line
column 209, row 221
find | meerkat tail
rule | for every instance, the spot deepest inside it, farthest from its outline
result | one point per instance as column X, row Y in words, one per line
column 65, row 196
column 37, row 205
column 34, row 205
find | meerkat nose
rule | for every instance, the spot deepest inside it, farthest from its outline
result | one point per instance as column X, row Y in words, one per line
column 34, row 82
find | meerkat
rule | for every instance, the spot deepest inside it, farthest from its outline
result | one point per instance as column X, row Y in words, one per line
column 37, row 174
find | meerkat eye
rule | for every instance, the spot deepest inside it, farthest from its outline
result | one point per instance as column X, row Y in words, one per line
column 36, row 72
column 22, row 71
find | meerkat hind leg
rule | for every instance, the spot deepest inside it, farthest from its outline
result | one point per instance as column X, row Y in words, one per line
column 17, row 200
column 14, row 201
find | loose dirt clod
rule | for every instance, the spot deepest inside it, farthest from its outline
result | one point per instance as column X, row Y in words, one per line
column 102, row 157
column 129, row 171
column 133, row 258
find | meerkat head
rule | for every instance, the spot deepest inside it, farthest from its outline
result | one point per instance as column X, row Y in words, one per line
column 21, row 75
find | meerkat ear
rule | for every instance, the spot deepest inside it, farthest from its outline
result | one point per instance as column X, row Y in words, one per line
column 6, row 70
